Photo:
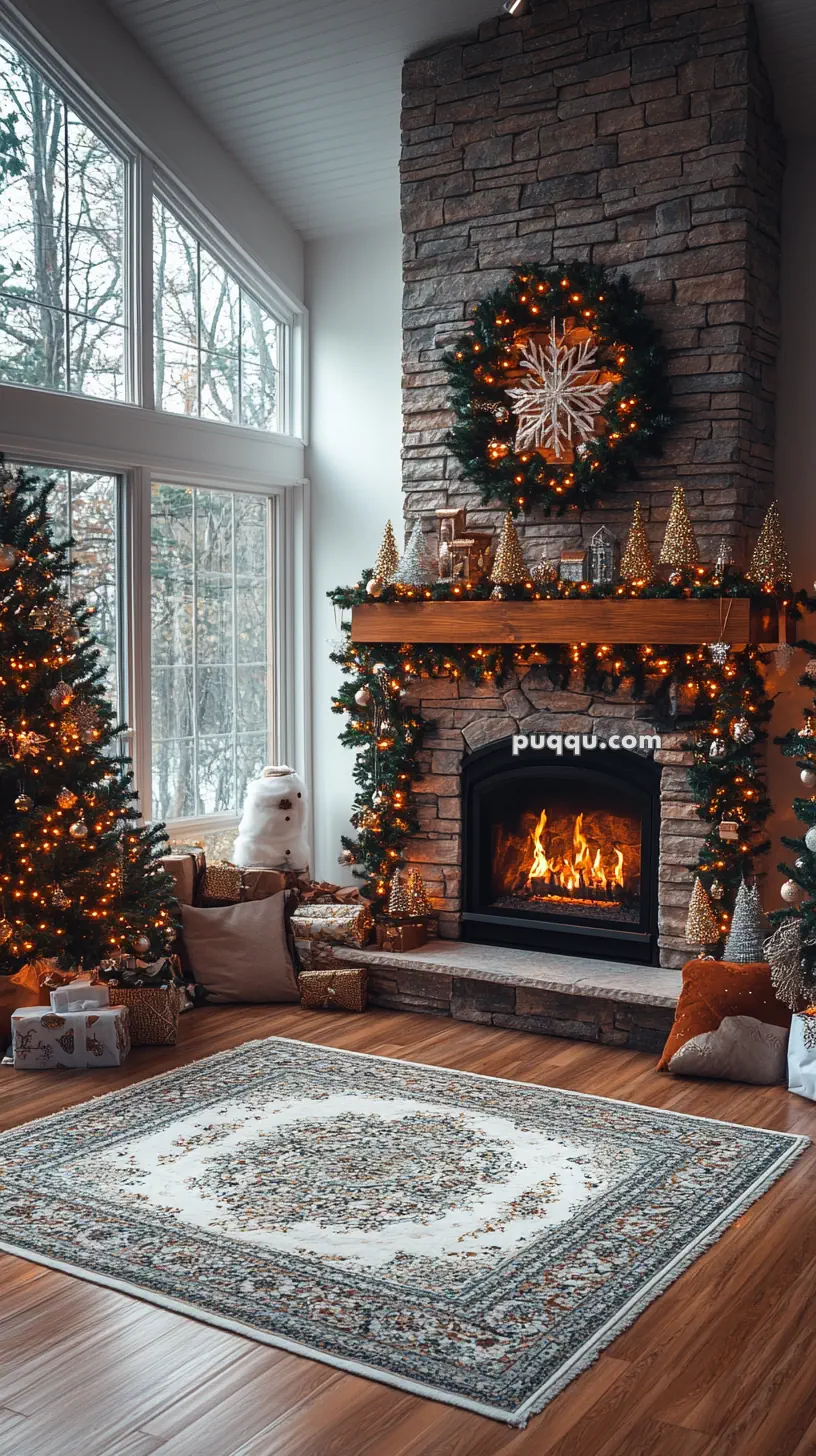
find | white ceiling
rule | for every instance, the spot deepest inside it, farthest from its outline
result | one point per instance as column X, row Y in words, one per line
column 306, row 93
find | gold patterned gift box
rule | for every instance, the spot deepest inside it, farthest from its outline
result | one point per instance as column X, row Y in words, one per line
column 153, row 1010
column 316, row 928
column 343, row 989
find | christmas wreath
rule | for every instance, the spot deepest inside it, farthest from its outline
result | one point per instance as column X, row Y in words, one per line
column 558, row 390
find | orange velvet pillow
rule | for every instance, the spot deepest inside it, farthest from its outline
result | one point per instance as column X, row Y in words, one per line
column 728, row 1024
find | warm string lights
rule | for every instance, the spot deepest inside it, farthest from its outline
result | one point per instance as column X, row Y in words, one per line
column 574, row 302
column 79, row 872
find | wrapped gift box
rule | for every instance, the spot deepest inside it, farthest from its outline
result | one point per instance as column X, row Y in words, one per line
column 75, row 1039
column 343, row 989
column 80, row 995
column 802, row 1056
column 154, row 1012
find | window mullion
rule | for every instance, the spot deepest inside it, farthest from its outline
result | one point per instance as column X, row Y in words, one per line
column 194, row 559
column 234, row 662
column 66, row 234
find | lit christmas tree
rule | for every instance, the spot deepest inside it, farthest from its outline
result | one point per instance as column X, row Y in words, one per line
column 79, row 872
column 770, row 563
column 417, row 894
column 791, row 950
column 701, row 926
column 637, row 562
column 387, row 557
column 679, row 547
column 509, row 567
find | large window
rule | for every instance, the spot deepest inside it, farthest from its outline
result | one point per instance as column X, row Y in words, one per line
column 63, row 284
column 210, row 614
column 216, row 351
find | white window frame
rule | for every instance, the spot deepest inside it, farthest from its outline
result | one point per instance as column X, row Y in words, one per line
column 142, row 444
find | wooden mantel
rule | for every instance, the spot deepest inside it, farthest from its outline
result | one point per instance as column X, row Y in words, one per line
column 665, row 621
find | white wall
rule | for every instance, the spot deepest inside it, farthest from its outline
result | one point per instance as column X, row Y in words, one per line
column 354, row 294
column 795, row 464
column 102, row 53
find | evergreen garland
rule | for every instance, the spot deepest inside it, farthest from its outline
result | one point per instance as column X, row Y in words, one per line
column 684, row 688
column 636, row 409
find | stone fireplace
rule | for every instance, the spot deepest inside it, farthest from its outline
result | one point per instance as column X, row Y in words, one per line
column 636, row 134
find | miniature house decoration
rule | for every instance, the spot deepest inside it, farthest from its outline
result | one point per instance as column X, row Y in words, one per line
column 604, row 557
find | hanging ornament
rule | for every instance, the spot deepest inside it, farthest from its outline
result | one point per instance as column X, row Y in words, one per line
column 509, row 568
column 6, row 930
column 374, row 587
column 784, row 654
column 718, row 652
column 742, row 732
column 379, row 798
column 810, row 839
column 637, row 563
column 23, row 804
column 728, row 830
column 718, row 748
column 362, row 697
column 800, row 862
column 29, row 745
column 716, row 889
column 58, row 898
column 8, row 556
column 808, row 777
column 81, row 719
column 679, row 547
column 141, row 945
column 66, row 798
column 61, row 696
column 790, row 892
column 38, row 618
column 79, row 830
column 345, row 857
column 388, row 556
column 810, row 669
column 770, row 563
column 379, row 669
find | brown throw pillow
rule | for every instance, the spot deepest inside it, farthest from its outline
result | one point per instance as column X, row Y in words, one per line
column 239, row 952
column 728, row 1024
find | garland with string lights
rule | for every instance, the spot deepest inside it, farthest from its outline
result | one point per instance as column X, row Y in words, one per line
column 79, row 873
column 719, row 701
column 559, row 389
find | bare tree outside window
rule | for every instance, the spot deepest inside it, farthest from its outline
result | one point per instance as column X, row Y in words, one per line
column 62, row 229
column 216, row 349
column 210, row 663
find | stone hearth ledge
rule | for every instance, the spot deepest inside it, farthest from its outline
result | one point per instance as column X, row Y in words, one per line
column 567, row 975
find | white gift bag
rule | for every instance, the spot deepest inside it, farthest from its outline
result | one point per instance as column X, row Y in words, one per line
column 802, row 1058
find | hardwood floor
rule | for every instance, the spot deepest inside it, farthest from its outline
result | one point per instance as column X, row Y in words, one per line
column 723, row 1364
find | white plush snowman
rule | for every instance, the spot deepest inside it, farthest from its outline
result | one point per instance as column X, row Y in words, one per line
column 272, row 828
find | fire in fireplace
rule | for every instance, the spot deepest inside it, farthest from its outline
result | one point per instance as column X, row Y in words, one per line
column 562, row 857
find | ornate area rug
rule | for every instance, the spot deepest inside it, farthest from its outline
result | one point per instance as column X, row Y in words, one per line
column 470, row 1239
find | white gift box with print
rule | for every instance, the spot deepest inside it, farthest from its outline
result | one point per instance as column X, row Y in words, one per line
column 43, row 1038
column 80, row 995
column 802, row 1057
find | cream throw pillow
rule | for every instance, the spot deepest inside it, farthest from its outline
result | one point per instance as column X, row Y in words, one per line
column 239, row 952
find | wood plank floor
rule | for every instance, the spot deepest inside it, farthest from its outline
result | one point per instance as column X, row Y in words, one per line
column 723, row 1364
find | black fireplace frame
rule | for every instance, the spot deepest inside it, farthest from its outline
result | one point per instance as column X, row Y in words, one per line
column 533, row 929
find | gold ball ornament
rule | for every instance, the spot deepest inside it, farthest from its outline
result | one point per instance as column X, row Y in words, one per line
column 23, row 804
column 79, row 830
column 8, row 556
column 66, row 798
column 810, row 669
column 374, row 587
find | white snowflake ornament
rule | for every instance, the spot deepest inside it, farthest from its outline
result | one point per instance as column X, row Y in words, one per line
column 562, row 394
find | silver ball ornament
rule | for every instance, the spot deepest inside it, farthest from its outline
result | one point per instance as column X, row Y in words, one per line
column 362, row 697
column 808, row 777
column 141, row 945
column 790, row 892
column 375, row 587
column 810, row 839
